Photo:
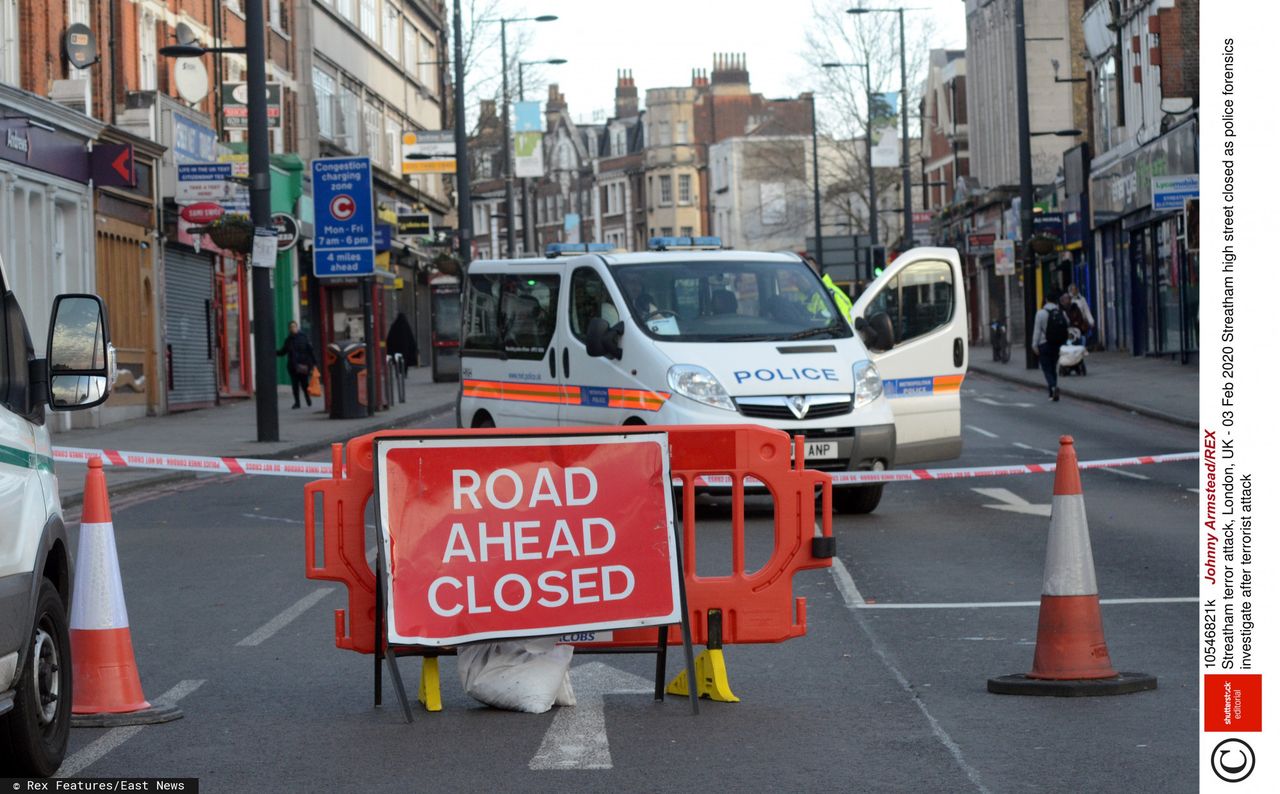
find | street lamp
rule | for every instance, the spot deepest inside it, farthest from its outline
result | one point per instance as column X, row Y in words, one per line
column 526, row 210
column 908, row 233
column 507, row 176
column 264, row 332
column 871, row 172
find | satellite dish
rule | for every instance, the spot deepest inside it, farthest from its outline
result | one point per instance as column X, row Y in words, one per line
column 80, row 46
column 184, row 34
column 191, row 79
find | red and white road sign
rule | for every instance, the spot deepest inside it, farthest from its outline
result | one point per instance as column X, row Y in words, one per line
column 512, row 537
column 342, row 207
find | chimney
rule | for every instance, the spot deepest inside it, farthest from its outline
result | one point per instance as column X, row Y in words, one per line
column 729, row 68
column 626, row 100
column 699, row 78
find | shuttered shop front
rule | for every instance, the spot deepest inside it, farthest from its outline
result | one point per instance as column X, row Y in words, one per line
column 188, row 292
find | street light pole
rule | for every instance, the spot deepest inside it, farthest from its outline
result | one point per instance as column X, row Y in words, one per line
column 462, row 178
column 908, row 228
column 817, row 188
column 507, row 176
column 1029, row 270
column 264, row 330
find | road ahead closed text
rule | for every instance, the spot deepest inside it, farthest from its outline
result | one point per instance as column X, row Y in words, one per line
column 526, row 536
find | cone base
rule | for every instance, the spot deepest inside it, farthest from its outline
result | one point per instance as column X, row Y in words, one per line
column 1120, row 684
column 148, row 716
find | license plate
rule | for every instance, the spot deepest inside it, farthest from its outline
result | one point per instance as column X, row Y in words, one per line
column 820, row 450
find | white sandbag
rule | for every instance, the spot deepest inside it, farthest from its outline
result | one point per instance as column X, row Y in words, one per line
column 520, row 675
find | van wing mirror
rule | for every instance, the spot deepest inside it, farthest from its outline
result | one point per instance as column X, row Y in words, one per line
column 876, row 332
column 81, row 363
column 604, row 339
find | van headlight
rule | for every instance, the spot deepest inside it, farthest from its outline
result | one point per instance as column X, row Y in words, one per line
column 699, row 385
column 866, row 383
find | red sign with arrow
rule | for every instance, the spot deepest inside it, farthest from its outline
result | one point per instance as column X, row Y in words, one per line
column 113, row 165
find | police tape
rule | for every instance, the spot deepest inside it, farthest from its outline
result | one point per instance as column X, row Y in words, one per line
column 200, row 464
column 209, row 464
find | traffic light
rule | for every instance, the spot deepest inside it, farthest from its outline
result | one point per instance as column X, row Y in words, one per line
column 877, row 261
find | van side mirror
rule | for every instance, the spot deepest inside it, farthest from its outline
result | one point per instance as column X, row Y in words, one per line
column 604, row 339
column 81, row 363
column 876, row 332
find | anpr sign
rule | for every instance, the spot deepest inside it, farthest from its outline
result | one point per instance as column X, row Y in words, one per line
column 523, row 536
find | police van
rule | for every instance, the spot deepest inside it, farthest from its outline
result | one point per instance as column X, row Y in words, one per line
column 35, row 557
column 688, row 334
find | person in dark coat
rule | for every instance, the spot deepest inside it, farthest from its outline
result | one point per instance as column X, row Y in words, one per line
column 400, row 340
column 301, row 358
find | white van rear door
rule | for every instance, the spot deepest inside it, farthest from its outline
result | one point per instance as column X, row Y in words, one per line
column 922, row 295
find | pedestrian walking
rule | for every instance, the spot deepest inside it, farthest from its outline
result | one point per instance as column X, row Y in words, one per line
column 1051, row 331
column 301, row 358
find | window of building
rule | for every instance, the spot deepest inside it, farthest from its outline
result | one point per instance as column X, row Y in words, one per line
column 682, row 132
column 391, row 30
column 373, row 133
column 146, row 51
column 78, row 12
column 9, row 42
column 325, row 89
column 686, row 231
column 686, row 189
column 347, row 9
column 369, row 18
column 348, row 132
column 275, row 14
column 426, row 63
column 410, row 48
column 619, row 144
column 664, row 133
column 393, row 144
column 666, row 231
column 664, row 188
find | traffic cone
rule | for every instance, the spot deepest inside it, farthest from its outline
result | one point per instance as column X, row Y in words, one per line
column 1071, row 652
column 106, row 690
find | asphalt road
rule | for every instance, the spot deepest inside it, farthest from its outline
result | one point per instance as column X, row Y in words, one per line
column 886, row 692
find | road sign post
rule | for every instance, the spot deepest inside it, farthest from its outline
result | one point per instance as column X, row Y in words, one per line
column 344, row 237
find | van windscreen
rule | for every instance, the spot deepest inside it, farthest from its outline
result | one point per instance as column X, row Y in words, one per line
column 718, row 301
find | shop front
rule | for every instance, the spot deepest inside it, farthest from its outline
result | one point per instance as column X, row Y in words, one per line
column 1149, row 281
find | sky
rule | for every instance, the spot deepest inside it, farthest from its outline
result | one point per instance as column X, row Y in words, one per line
column 661, row 41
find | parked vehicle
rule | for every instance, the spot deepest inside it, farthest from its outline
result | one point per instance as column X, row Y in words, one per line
column 35, row 557
column 686, row 334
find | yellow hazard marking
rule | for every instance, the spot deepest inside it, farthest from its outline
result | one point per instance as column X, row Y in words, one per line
column 712, row 676
column 429, row 684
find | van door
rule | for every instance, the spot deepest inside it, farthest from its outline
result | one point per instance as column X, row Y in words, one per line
column 921, row 298
column 510, row 340
column 601, row 390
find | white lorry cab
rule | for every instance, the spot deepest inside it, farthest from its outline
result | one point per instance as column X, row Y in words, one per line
column 685, row 335
column 35, row 557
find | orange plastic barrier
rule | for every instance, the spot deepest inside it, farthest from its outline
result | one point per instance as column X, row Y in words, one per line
column 753, row 607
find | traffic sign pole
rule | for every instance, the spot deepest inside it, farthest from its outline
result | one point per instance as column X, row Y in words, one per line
column 264, row 321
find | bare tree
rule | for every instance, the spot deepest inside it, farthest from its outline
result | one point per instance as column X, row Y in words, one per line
column 481, row 65
column 835, row 36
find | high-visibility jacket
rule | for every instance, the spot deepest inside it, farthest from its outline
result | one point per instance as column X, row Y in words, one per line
column 843, row 302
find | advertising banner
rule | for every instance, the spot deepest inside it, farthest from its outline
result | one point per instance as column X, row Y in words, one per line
column 885, row 152
column 525, row 536
column 528, row 140
column 235, row 105
column 1005, row 257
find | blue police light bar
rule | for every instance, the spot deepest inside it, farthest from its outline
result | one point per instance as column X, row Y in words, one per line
column 683, row 243
column 564, row 249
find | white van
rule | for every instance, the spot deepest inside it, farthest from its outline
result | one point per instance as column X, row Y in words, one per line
column 680, row 336
column 35, row 557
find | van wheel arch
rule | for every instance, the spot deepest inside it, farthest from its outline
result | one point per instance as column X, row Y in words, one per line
column 633, row 421
column 482, row 419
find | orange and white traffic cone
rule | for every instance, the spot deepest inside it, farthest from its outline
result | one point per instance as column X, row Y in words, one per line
column 1071, row 658
column 106, row 690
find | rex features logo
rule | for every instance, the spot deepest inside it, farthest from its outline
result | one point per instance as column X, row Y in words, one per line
column 342, row 207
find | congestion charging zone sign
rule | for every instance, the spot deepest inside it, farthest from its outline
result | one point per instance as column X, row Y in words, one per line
column 342, row 189
column 525, row 536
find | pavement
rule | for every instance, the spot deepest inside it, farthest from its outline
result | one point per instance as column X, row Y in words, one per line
column 1158, row 387
column 230, row 429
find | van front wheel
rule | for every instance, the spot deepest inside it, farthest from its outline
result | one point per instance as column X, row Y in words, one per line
column 34, row 733
column 857, row 500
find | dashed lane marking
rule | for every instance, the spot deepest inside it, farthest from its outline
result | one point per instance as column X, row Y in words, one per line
column 998, row 404
column 1030, row 448
column 1129, row 474
column 285, row 618
column 980, row 431
column 95, row 750
column 844, row 583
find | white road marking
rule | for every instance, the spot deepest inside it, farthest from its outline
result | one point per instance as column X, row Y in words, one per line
column 1124, row 473
column 980, row 431
column 1004, row 604
column 285, row 618
column 577, row 737
column 844, row 583
column 1193, row 490
column 1021, row 445
column 115, row 737
column 1012, row 503
column 989, row 401
column 260, row 517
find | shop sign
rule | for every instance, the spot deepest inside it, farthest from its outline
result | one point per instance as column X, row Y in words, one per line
column 1124, row 186
column 235, row 105
column 286, row 227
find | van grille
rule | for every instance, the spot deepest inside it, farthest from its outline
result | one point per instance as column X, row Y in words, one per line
column 780, row 411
